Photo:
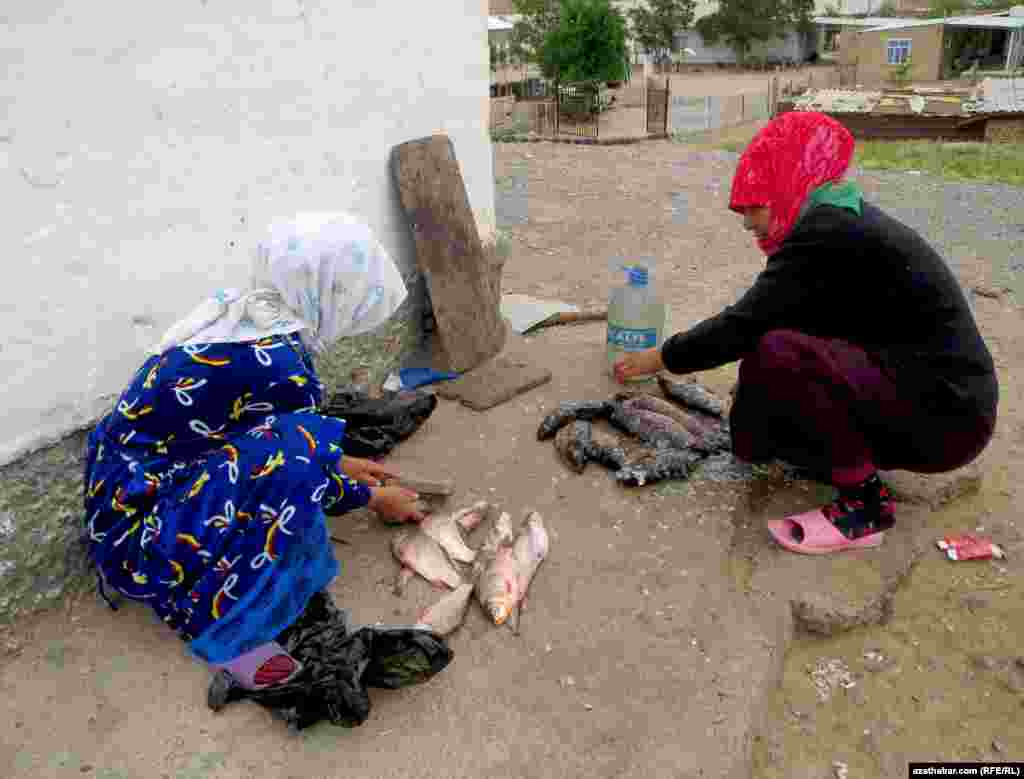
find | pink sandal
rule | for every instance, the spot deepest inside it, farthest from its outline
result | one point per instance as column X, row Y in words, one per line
column 820, row 535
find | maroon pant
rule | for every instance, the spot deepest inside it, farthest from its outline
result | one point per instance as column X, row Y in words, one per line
column 827, row 405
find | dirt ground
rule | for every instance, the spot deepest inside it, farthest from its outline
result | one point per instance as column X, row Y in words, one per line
column 931, row 684
column 659, row 629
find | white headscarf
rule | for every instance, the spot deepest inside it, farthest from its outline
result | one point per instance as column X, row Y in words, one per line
column 324, row 275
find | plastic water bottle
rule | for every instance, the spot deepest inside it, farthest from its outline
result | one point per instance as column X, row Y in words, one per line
column 636, row 317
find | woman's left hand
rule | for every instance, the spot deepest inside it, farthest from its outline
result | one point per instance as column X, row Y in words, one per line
column 365, row 471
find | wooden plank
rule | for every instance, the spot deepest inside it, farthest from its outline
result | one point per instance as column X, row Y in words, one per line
column 495, row 382
column 448, row 250
column 498, row 380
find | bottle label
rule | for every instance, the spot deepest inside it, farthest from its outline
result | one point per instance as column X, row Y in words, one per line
column 632, row 340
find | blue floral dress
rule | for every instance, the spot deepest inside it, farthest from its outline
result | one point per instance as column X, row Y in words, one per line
column 206, row 488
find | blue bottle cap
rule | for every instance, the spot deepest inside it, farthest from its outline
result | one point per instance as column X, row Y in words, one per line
column 637, row 276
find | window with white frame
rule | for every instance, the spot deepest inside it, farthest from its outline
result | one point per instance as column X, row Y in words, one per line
column 898, row 50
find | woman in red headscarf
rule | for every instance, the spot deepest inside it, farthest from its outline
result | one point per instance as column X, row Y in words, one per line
column 858, row 349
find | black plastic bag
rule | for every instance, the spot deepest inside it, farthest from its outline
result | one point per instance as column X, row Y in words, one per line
column 339, row 667
column 375, row 426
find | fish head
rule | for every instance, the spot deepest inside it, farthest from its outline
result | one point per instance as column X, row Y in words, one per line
column 500, row 610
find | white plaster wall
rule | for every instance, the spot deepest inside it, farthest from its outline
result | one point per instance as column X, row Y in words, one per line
column 143, row 147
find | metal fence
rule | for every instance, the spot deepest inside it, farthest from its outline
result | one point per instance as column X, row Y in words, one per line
column 502, row 113
column 577, row 111
column 569, row 110
column 694, row 114
column 700, row 114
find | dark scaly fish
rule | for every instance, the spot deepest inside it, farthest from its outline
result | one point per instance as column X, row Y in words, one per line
column 647, row 402
column 573, row 443
column 666, row 464
column 653, row 429
column 606, row 449
column 716, row 440
column 711, row 435
column 570, row 411
column 691, row 395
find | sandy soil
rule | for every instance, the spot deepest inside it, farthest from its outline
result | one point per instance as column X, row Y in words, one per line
column 651, row 639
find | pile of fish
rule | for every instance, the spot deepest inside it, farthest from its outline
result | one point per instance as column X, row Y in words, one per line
column 674, row 433
column 500, row 570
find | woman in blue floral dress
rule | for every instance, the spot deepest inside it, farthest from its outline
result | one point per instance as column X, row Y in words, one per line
column 207, row 484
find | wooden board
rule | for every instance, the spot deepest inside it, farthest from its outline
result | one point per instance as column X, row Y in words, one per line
column 495, row 382
column 448, row 251
column 511, row 373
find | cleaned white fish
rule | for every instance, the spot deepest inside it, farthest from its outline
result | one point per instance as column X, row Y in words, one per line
column 528, row 552
column 419, row 553
column 449, row 530
column 449, row 612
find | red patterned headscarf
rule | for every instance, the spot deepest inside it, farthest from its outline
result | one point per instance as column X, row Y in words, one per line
column 788, row 159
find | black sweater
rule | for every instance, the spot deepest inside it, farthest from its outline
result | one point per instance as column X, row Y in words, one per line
column 868, row 280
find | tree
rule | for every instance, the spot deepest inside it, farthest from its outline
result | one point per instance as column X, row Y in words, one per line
column 742, row 23
column 656, row 23
column 995, row 5
column 539, row 19
column 888, row 9
column 589, row 43
column 943, row 8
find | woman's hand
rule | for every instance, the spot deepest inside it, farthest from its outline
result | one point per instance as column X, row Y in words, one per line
column 638, row 364
column 395, row 504
column 365, row 471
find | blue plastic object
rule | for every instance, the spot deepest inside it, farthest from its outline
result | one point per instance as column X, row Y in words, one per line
column 637, row 276
column 419, row 377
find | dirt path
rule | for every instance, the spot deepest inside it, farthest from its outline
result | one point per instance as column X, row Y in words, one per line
column 656, row 631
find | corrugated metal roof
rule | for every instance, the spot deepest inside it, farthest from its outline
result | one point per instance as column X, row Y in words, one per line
column 1000, row 96
column 990, row 21
column 871, row 21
